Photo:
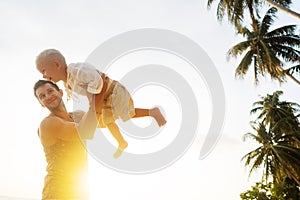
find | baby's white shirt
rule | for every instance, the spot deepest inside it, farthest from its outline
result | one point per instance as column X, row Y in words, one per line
column 83, row 78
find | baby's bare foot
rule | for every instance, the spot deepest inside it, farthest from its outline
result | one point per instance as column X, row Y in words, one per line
column 156, row 114
column 120, row 149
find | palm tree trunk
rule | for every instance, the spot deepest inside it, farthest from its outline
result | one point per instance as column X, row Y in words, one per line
column 284, row 9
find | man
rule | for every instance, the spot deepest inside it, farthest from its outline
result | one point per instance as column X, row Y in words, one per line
column 62, row 135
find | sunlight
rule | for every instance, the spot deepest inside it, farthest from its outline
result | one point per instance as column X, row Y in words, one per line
column 32, row 27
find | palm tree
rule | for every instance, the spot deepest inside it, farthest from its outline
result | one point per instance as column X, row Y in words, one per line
column 278, row 158
column 235, row 9
column 265, row 48
column 277, row 132
column 276, row 155
column 273, row 111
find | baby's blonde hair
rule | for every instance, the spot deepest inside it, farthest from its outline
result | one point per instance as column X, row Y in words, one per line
column 50, row 54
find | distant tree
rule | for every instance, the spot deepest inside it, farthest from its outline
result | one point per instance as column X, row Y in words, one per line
column 285, row 190
column 258, row 192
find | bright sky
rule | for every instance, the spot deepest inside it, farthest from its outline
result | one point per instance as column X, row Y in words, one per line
column 76, row 28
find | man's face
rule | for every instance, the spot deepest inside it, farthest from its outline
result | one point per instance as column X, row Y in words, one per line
column 48, row 96
column 48, row 68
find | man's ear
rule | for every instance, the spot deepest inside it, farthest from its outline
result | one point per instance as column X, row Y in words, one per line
column 61, row 92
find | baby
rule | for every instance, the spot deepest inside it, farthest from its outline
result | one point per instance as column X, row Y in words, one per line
column 84, row 79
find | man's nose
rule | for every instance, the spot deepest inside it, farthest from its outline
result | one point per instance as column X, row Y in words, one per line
column 47, row 96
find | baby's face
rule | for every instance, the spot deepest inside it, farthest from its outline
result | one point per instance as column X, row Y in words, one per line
column 49, row 69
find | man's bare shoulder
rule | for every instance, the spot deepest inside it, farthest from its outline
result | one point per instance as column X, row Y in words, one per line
column 50, row 124
column 50, row 120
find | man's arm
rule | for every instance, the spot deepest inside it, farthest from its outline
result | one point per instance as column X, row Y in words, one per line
column 53, row 128
column 89, row 122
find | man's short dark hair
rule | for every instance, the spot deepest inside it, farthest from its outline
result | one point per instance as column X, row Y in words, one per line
column 40, row 83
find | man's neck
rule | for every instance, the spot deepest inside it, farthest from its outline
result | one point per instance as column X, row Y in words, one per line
column 61, row 113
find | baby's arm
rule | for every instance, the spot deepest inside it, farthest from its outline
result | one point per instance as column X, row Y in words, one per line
column 99, row 98
column 96, row 84
column 89, row 77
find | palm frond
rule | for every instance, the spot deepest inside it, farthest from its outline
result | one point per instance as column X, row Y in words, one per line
column 287, row 53
column 238, row 49
column 258, row 160
column 294, row 69
column 209, row 3
column 259, row 103
column 252, row 154
column 224, row 8
column 285, row 40
column 289, row 158
column 285, row 3
column 221, row 11
column 288, row 163
column 292, row 138
column 267, row 21
column 277, row 94
column 284, row 30
column 250, row 136
column 244, row 31
column 237, row 15
column 243, row 67
column 291, row 153
column 255, row 110
column 268, row 56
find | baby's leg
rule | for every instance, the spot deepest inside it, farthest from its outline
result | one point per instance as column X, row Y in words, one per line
column 154, row 112
column 115, row 131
